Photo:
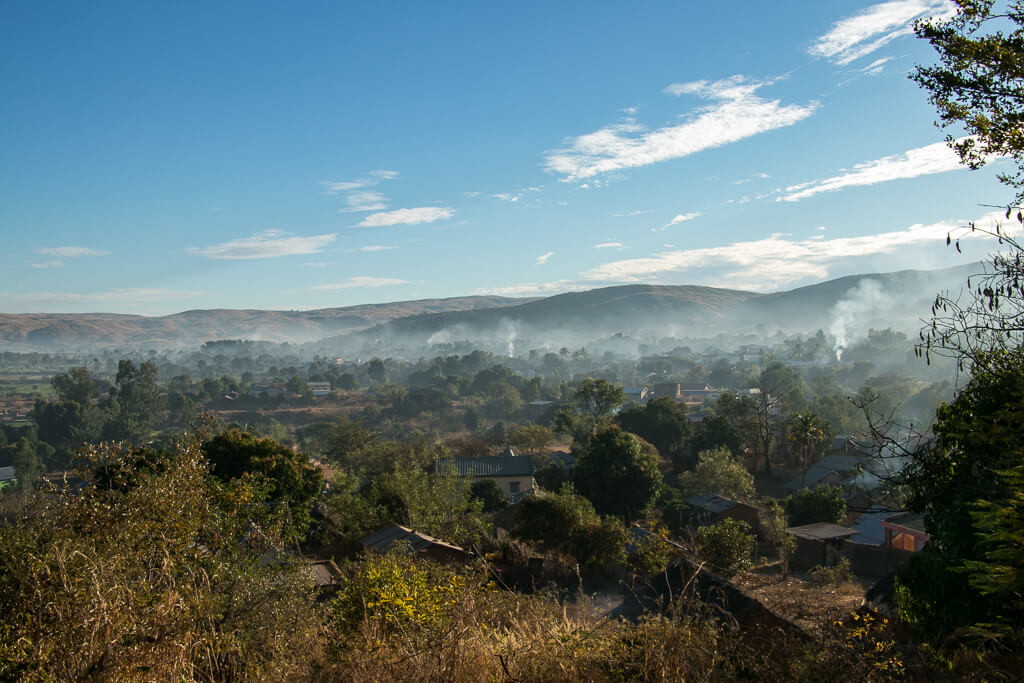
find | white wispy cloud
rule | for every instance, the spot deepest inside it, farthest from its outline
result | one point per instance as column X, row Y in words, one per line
column 71, row 252
column 47, row 264
column 872, row 28
column 736, row 112
column 526, row 288
column 366, row 200
column 370, row 179
column 316, row 264
column 639, row 212
column 608, row 245
column 934, row 158
column 681, row 218
column 778, row 259
column 269, row 244
column 376, row 247
column 415, row 216
column 876, row 67
column 508, row 196
column 543, row 258
column 361, row 281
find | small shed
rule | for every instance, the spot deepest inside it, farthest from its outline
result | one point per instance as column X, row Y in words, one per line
column 818, row 544
column 906, row 532
column 417, row 542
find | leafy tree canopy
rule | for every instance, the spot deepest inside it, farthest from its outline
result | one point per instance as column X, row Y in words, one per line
column 978, row 84
column 823, row 503
column 718, row 472
column 618, row 475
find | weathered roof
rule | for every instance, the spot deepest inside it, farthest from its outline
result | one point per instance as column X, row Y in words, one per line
column 820, row 471
column 7, row 474
column 869, row 527
column 821, row 531
column 500, row 466
column 383, row 539
column 694, row 386
column 325, row 572
column 713, row 503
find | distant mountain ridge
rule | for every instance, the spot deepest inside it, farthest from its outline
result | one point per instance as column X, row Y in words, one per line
column 848, row 306
column 56, row 331
column 899, row 299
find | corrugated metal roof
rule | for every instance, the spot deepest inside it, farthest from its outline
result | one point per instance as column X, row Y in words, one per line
column 821, row 531
column 869, row 527
column 713, row 503
column 7, row 474
column 500, row 466
column 381, row 540
column 820, row 471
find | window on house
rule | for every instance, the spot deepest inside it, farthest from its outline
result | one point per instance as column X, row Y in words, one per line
column 513, row 487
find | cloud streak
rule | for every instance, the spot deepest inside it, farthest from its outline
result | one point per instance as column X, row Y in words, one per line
column 777, row 260
column 736, row 112
column 415, row 216
column 270, row 244
column 874, row 27
column 543, row 258
column 681, row 218
column 927, row 160
column 361, row 281
column 364, row 201
column 71, row 252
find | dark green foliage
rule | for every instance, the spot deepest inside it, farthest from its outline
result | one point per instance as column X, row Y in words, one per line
column 810, row 435
column 567, row 522
column 490, row 495
column 720, row 473
column 27, row 466
column 662, row 422
column 726, row 546
column 823, row 503
column 376, row 371
column 618, row 475
column 598, row 398
column 716, row 431
column 968, row 484
column 293, row 479
column 551, row 476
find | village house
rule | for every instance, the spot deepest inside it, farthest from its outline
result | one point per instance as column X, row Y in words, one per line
column 266, row 390
column 513, row 473
column 319, row 389
column 712, row 509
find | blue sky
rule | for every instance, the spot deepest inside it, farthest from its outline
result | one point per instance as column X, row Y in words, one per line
column 160, row 157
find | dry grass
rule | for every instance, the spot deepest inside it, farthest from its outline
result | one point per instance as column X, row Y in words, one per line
column 799, row 598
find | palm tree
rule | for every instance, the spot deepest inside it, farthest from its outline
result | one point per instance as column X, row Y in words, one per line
column 809, row 432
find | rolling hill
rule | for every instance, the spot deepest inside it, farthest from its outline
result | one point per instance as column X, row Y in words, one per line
column 900, row 300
